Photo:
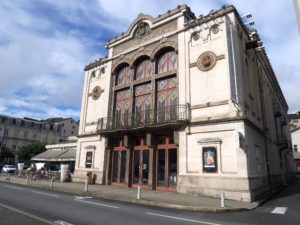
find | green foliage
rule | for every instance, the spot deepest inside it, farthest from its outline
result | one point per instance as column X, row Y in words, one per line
column 28, row 151
column 6, row 153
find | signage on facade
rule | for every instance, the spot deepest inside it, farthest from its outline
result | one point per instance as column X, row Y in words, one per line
column 209, row 159
column 89, row 160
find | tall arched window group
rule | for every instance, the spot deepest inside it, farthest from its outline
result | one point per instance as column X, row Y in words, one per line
column 144, row 72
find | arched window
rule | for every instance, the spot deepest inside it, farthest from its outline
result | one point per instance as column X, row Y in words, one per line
column 144, row 69
column 124, row 76
column 167, row 62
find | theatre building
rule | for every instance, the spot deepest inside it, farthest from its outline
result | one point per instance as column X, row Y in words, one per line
column 186, row 104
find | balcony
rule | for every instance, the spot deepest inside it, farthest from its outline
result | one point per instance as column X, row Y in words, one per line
column 175, row 115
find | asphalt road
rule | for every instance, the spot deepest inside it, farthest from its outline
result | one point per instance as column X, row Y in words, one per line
column 284, row 209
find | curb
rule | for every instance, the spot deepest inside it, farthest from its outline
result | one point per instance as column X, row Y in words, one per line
column 136, row 201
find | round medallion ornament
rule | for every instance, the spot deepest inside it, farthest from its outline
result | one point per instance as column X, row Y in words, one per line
column 215, row 29
column 206, row 61
column 96, row 92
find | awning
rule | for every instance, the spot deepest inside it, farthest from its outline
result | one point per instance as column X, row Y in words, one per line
column 56, row 155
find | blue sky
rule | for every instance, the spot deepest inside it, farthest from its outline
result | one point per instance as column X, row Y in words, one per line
column 44, row 46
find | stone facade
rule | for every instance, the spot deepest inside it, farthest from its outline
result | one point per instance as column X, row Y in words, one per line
column 185, row 104
column 17, row 132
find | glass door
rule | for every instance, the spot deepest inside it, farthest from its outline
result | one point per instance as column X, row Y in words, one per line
column 167, row 168
column 166, row 164
column 119, row 166
column 140, row 167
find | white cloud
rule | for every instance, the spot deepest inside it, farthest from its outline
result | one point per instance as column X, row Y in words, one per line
column 44, row 46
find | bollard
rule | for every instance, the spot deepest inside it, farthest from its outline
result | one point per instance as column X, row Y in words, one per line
column 51, row 182
column 222, row 199
column 27, row 179
column 8, row 176
column 86, row 186
column 139, row 193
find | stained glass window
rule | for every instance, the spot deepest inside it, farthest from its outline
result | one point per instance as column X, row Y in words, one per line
column 124, row 76
column 144, row 69
column 143, row 103
column 166, row 99
column 122, row 107
column 167, row 62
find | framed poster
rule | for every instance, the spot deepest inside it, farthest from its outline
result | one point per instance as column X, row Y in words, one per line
column 209, row 159
column 88, row 159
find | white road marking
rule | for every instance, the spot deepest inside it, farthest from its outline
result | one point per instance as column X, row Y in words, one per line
column 61, row 222
column 279, row 210
column 94, row 203
column 43, row 193
column 183, row 219
column 82, row 197
column 14, row 187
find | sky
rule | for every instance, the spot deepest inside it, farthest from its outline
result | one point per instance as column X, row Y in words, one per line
column 44, row 46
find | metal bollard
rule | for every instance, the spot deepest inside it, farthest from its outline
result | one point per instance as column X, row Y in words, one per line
column 8, row 176
column 139, row 193
column 86, row 188
column 51, row 182
column 27, row 179
column 222, row 199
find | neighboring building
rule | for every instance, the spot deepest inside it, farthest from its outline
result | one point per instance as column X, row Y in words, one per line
column 295, row 133
column 294, row 120
column 16, row 132
column 68, row 127
column 187, row 104
column 58, row 154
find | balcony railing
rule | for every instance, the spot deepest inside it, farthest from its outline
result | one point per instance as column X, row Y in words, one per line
column 174, row 114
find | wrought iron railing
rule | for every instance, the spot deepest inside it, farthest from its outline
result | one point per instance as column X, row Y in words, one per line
column 151, row 117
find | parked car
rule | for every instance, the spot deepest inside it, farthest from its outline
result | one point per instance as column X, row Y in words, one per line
column 9, row 169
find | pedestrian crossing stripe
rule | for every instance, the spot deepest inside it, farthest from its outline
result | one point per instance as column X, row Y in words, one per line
column 279, row 210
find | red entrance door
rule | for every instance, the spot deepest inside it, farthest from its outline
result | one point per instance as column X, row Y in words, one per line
column 118, row 164
column 140, row 163
column 166, row 164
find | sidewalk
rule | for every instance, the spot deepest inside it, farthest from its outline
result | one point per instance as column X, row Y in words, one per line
column 148, row 197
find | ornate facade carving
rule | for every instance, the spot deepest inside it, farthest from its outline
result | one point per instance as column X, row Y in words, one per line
column 145, row 37
column 96, row 93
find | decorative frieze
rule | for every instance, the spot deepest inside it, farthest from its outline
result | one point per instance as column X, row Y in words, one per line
column 147, row 35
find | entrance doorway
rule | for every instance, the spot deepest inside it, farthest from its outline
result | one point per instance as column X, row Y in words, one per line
column 118, row 163
column 140, row 163
column 166, row 163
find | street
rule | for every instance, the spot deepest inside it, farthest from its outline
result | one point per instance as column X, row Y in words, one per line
column 62, row 208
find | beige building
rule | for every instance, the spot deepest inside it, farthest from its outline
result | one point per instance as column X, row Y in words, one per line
column 294, row 120
column 68, row 127
column 187, row 104
column 17, row 132
column 295, row 133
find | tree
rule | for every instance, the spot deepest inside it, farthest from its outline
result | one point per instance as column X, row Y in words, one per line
column 26, row 152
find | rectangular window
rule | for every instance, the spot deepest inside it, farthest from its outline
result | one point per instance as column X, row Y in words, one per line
column 89, row 160
column 209, row 159
column 14, row 147
column 6, row 132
